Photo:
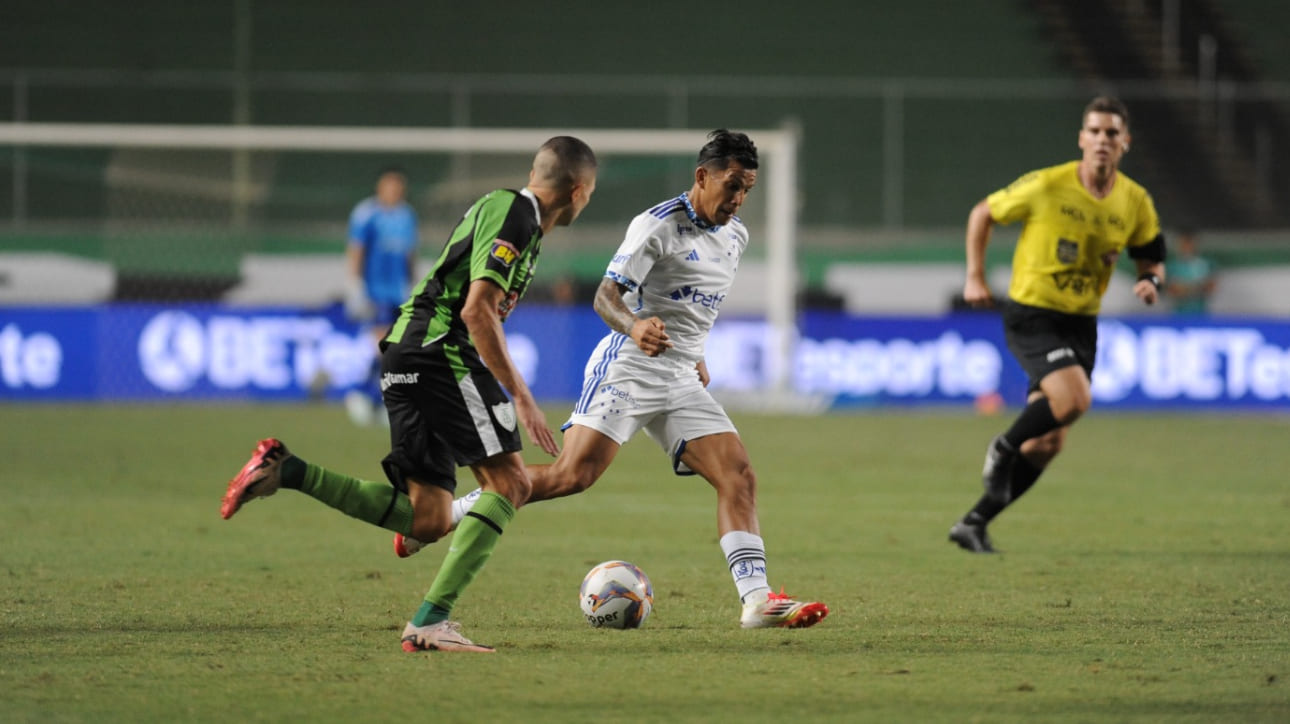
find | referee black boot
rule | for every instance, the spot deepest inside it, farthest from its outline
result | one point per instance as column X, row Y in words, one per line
column 1000, row 459
column 972, row 538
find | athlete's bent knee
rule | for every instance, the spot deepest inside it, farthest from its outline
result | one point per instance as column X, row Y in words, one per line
column 514, row 487
column 577, row 482
column 509, row 479
column 428, row 529
column 1070, row 408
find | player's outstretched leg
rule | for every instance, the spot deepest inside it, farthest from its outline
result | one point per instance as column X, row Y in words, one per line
column 259, row 478
column 779, row 610
column 272, row 467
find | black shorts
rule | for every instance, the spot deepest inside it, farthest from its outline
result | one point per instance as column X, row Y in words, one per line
column 446, row 409
column 1045, row 340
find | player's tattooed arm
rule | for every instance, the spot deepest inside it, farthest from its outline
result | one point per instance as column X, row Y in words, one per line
column 648, row 333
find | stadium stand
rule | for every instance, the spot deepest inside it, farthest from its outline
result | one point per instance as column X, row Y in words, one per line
column 840, row 149
column 851, row 80
column 1226, row 179
column 1258, row 31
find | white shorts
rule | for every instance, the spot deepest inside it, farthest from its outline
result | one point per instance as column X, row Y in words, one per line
column 622, row 395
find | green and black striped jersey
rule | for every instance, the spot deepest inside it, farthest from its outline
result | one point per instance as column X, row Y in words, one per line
column 498, row 239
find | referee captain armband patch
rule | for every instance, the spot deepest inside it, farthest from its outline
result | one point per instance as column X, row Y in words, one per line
column 504, row 252
column 1153, row 250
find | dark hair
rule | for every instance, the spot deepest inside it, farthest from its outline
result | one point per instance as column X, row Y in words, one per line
column 1107, row 104
column 392, row 169
column 725, row 146
column 565, row 161
column 572, row 152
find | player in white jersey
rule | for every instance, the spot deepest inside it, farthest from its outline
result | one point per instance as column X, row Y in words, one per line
column 662, row 292
column 686, row 267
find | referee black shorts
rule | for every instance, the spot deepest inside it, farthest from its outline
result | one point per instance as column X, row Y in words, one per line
column 1045, row 340
column 446, row 410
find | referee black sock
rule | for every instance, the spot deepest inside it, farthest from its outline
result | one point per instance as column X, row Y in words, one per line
column 984, row 511
column 1037, row 419
column 1024, row 475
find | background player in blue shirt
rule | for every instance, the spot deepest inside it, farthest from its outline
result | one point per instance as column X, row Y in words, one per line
column 381, row 256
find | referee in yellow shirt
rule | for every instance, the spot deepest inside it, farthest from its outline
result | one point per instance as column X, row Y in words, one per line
column 1078, row 217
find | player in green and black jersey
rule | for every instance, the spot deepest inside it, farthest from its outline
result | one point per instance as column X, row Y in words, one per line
column 445, row 374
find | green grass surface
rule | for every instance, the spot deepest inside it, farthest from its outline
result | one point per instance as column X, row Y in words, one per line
column 1147, row 578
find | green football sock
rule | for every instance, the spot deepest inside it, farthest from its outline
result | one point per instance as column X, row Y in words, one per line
column 293, row 472
column 428, row 614
column 472, row 544
column 377, row 503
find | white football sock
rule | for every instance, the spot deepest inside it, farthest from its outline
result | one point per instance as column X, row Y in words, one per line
column 462, row 505
column 746, row 554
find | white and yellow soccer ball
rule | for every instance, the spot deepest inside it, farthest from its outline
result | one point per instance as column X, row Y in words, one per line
column 616, row 594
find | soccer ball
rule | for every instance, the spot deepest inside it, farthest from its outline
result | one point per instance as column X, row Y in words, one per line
column 616, row 594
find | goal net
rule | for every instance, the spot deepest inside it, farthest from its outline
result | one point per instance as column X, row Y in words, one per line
column 256, row 214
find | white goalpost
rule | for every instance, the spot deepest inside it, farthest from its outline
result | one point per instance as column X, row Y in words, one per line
column 778, row 148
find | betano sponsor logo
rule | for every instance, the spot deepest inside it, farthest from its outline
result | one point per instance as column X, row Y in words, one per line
column 692, row 295
column 178, row 350
column 1199, row 364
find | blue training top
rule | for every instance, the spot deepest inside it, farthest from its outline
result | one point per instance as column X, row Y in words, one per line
column 388, row 236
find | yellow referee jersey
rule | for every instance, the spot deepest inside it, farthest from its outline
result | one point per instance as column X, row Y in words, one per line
column 1068, row 247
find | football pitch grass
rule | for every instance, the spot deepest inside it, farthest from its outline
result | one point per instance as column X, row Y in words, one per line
column 1146, row 578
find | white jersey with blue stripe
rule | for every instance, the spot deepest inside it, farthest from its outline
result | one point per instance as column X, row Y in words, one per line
column 678, row 268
